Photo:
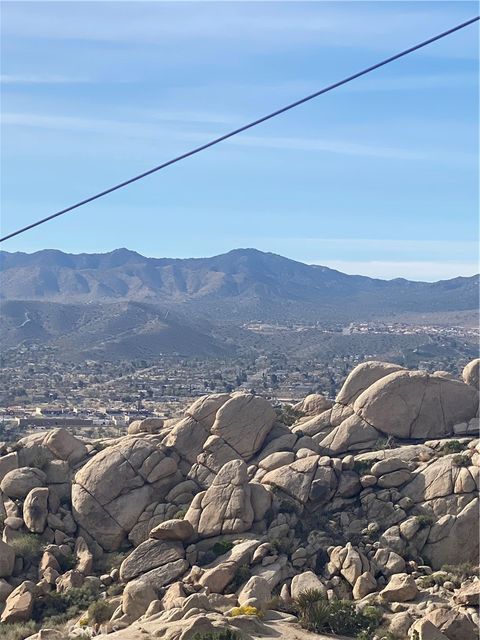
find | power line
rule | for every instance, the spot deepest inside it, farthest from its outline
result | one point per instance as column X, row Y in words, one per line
column 243, row 128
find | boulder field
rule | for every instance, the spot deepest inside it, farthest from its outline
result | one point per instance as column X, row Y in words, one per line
column 179, row 526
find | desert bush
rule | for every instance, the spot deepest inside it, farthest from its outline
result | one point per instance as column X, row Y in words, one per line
column 434, row 579
column 288, row 415
column 362, row 466
column 60, row 607
column 180, row 514
column 109, row 561
column 242, row 574
column 27, row 545
column 424, row 520
column 460, row 572
column 18, row 630
column 226, row 634
column 337, row 616
column 221, row 547
column 100, row 611
column 245, row 610
column 461, row 460
column 452, row 446
column 288, row 506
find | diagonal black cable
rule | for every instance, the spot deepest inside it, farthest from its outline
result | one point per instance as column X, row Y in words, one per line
column 243, row 128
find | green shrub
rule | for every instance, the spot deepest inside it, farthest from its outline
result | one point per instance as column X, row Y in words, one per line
column 28, row 545
column 221, row 547
column 362, row 467
column 460, row 572
column 66, row 561
column 288, row 415
column 60, row 607
column 100, row 611
column 337, row 616
column 434, row 579
column 180, row 515
column 288, row 506
column 109, row 561
column 461, row 460
column 424, row 520
column 280, row 546
column 452, row 446
column 18, row 630
column 226, row 634
column 242, row 574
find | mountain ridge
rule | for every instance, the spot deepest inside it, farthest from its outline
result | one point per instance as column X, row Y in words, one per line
column 239, row 286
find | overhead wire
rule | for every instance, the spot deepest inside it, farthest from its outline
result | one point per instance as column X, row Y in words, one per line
column 245, row 127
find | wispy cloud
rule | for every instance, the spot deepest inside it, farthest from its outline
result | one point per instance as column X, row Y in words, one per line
column 40, row 79
column 328, row 146
column 369, row 25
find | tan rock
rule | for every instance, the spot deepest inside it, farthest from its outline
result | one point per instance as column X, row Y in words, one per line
column 137, row 597
column 400, row 588
column 313, row 405
column 470, row 374
column 244, row 422
column 304, row 581
column 415, row 404
column 65, row 446
column 256, row 592
column 364, row 585
column 424, row 630
column 35, row 509
column 7, row 560
column 468, row 594
column 453, row 623
column 362, row 377
column 172, row 530
column 115, row 486
column 149, row 555
column 19, row 604
column 84, row 557
column 226, row 506
column 295, row 479
column 18, row 482
column 353, row 434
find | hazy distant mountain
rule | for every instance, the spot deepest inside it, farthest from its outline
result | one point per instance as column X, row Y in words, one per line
column 105, row 331
column 241, row 285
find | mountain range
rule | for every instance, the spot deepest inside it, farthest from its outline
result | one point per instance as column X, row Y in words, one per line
column 122, row 301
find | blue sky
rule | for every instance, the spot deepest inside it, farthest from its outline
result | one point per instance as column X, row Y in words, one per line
column 378, row 177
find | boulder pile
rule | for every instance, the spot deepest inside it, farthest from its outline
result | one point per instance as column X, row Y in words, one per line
column 222, row 519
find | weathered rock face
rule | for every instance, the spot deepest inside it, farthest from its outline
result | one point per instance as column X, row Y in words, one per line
column 226, row 507
column 35, row 509
column 362, row 377
column 7, row 560
column 18, row 482
column 414, row 404
column 243, row 422
column 19, row 604
column 173, row 530
column 154, row 558
column 461, row 528
column 401, row 588
column 321, row 505
column 65, row 446
column 115, row 486
column 313, row 405
column 470, row 374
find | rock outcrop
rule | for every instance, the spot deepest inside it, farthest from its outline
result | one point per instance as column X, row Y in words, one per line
column 226, row 512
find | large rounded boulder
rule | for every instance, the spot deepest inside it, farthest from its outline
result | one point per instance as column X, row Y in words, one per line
column 362, row 377
column 415, row 404
column 470, row 374
column 112, row 490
